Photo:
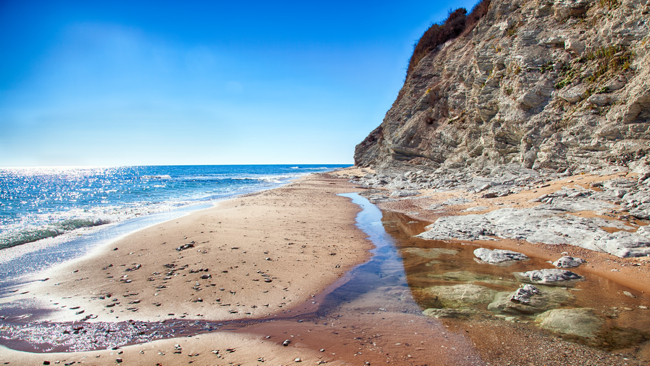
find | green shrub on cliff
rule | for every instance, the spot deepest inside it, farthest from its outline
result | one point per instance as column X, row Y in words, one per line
column 457, row 23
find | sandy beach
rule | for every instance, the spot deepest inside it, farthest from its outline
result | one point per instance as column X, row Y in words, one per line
column 270, row 255
column 247, row 257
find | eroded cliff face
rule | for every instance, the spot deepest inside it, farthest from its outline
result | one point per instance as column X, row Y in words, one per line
column 548, row 85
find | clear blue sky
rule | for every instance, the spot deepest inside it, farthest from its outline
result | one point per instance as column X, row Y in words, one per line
column 210, row 82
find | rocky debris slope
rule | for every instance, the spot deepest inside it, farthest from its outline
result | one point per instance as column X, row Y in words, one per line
column 543, row 84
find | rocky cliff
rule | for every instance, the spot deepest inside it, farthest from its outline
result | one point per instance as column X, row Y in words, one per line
column 544, row 84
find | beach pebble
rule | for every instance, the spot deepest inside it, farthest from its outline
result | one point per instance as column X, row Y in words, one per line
column 286, row 342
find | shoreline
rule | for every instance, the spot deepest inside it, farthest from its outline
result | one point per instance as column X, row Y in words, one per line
column 150, row 263
column 378, row 326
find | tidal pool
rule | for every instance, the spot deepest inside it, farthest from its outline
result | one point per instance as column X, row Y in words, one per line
column 447, row 281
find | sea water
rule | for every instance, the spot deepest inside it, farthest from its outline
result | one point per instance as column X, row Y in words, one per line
column 38, row 205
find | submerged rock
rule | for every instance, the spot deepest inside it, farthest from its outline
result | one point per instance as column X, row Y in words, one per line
column 529, row 302
column 498, row 256
column 429, row 252
column 581, row 322
column 449, row 313
column 568, row 262
column 469, row 276
column 554, row 276
column 460, row 295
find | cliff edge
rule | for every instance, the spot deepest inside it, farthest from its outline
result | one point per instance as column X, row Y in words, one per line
column 544, row 84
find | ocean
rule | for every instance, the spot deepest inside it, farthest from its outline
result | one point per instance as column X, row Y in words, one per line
column 41, row 208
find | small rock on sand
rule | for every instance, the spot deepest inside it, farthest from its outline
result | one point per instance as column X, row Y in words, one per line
column 405, row 193
column 568, row 262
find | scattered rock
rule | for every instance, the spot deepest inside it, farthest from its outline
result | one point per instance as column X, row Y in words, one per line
column 406, row 193
column 186, row 246
column 520, row 303
column 523, row 294
column 568, row 262
column 554, row 276
column 498, row 256
column 629, row 294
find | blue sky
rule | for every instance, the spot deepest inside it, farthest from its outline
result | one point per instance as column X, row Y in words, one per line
column 212, row 82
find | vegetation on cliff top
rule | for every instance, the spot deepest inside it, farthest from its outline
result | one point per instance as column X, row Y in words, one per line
column 457, row 23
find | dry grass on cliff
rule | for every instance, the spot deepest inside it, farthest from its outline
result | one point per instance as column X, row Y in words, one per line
column 457, row 23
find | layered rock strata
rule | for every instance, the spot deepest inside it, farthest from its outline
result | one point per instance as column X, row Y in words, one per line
column 542, row 84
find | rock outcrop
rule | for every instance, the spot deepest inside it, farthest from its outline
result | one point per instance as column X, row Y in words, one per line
column 542, row 84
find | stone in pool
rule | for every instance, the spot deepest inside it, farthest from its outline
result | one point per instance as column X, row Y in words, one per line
column 459, row 295
column 498, row 256
column 581, row 322
column 429, row 252
column 548, row 298
column 551, row 277
column 468, row 276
